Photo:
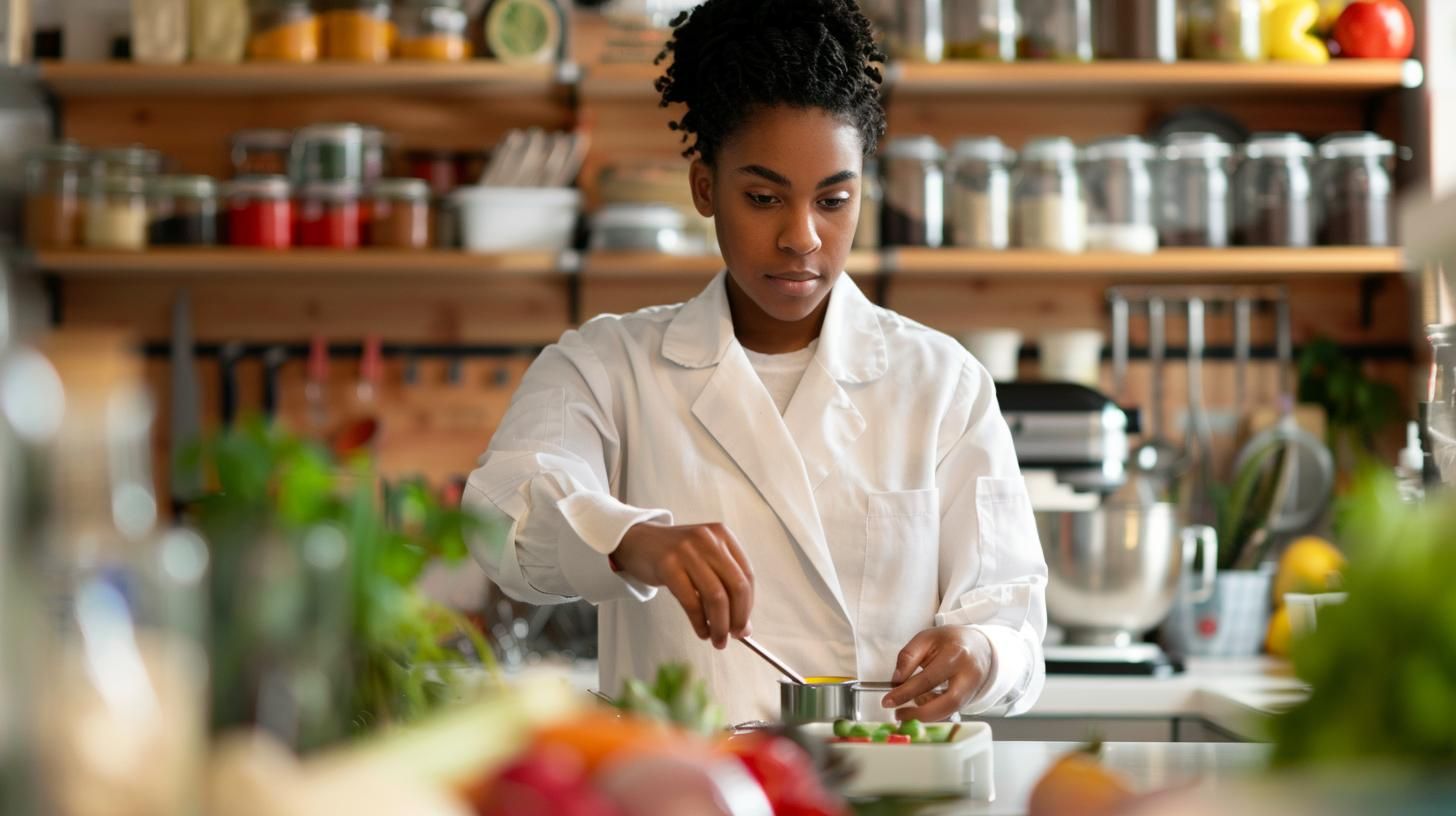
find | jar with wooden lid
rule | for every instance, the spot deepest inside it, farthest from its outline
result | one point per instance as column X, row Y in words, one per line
column 328, row 215
column 432, row 30
column 285, row 31
column 358, row 30
column 116, row 216
column 54, row 180
column 400, row 214
column 183, row 211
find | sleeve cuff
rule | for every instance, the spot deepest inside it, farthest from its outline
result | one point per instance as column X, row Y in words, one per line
column 1010, row 670
column 600, row 521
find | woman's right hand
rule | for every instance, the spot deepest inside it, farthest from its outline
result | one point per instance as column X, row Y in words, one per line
column 704, row 568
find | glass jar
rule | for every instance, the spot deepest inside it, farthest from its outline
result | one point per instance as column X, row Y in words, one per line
column 261, row 152
column 260, row 212
column 981, row 29
column 219, row 30
column 1056, row 30
column 871, row 207
column 358, row 31
column 914, row 211
column 1272, row 204
column 285, row 31
column 183, row 211
column 374, row 157
column 159, row 31
column 1117, row 173
column 116, row 216
column 399, row 214
column 126, row 162
column 328, row 152
column 1227, row 30
column 978, row 197
column 328, row 215
column 1140, row 30
column 920, row 33
column 1050, row 212
column 432, row 30
column 54, row 179
column 438, row 168
column 1354, row 187
column 1192, row 191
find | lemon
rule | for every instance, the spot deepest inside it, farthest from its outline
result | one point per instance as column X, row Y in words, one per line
column 1281, row 632
column 1310, row 564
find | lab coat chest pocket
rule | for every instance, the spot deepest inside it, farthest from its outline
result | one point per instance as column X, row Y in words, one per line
column 899, row 595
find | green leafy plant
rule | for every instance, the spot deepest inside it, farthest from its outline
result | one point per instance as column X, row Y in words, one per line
column 1382, row 665
column 675, row 697
column 318, row 629
column 1358, row 408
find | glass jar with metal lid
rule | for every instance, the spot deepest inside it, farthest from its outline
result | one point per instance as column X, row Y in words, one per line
column 261, row 151
column 432, row 30
column 981, row 29
column 183, row 211
column 328, row 152
column 871, row 205
column 1118, row 176
column 1192, row 191
column 978, row 193
column 54, row 184
column 116, row 215
column 133, row 161
column 1272, row 203
column 914, row 181
column 285, row 31
column 1050, row 211
column 1354, row 187
column 358, row 30
column 399, row 214
column 260, row 212
column 1056, row 30
column 920, row 33
column 328, row 215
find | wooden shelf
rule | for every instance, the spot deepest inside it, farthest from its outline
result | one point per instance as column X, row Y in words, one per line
column 473, row 78
column 1110, row 78
column 1107, row 78
column 1177, row 264
column 203, row 264
column 655, row 266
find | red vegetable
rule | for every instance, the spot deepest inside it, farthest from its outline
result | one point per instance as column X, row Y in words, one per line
column 899, row 739
column 548, row 781
column 1375, row 29
column 787, row 775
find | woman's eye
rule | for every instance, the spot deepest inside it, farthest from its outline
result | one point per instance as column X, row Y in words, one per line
column 761, row 200
column 834, row 203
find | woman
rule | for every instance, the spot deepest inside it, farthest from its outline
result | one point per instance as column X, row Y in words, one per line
column 778, row 454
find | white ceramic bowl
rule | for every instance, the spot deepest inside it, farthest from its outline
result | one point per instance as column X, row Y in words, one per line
column 501, row 219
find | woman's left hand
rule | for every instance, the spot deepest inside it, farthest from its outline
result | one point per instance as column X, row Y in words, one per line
column 957, row 656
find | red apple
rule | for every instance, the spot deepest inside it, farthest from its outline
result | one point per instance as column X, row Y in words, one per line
column 1375, row 29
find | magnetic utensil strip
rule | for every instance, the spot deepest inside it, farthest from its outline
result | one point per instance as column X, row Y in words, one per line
column 351, row 350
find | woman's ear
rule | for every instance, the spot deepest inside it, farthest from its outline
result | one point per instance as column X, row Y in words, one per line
column 700, row 179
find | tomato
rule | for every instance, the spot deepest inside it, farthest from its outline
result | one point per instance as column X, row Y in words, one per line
column 787, row 775
column 899, row 739
column 1375, row 29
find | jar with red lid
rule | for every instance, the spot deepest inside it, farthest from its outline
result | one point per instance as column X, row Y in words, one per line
column 260, row 212
column 329, row 215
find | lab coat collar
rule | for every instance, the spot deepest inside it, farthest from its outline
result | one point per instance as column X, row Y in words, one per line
column 851, row 344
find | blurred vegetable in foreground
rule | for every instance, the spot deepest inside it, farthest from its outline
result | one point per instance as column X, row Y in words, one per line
column 1382, row 665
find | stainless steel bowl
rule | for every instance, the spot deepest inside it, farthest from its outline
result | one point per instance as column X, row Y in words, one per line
column 816, row 702
column 1112, row 573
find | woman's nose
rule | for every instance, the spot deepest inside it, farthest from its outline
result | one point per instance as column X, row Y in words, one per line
column 798, row 236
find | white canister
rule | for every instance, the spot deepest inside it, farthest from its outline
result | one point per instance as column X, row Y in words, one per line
column 999, row 350
column 1072, row 355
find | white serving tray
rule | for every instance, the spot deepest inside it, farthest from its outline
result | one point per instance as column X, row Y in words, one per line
column 961, row 767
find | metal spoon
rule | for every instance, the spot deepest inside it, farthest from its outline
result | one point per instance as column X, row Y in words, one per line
column 774, row 661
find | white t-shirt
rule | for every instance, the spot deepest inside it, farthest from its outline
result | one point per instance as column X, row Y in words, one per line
column 782, row 373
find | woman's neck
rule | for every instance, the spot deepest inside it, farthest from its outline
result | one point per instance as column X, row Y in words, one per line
column 759, row 331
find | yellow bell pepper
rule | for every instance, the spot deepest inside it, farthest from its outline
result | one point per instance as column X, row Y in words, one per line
column 1287, row 24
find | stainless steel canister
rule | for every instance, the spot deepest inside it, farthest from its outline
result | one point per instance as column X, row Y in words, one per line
column 816, row 702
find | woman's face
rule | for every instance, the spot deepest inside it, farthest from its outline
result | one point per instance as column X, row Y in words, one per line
column 784, row 191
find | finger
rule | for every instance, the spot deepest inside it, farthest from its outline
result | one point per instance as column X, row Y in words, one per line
column 736, row 550
column 738, row 585
column 940, row 706
column 713, row 595
column 936, row 672
column 912, row 656
column 681, row 587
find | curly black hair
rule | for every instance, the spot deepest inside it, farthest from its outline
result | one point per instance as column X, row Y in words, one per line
column 732, row 57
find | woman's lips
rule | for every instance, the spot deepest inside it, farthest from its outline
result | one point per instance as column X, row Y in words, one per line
column 794, row 284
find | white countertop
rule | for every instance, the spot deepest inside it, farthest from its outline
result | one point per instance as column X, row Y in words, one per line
column 1146, row 766
column 1233, row 694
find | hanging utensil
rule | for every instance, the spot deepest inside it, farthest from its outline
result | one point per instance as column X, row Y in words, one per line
column 186, row 404
column 273, row 361
column 1198, row 440
column 1243, row 319
column 773, row 660
column 1157, row 462
column 1119, row 346
column 227, row 361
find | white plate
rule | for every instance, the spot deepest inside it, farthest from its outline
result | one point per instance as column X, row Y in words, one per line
column 961, row 767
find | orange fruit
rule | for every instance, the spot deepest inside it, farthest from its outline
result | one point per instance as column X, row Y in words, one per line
column 1078, row 785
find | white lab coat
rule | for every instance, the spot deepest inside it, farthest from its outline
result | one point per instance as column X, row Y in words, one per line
column 885, row 500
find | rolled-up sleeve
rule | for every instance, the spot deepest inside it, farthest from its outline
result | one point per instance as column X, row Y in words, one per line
column 550, row 470
column 992, row 572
